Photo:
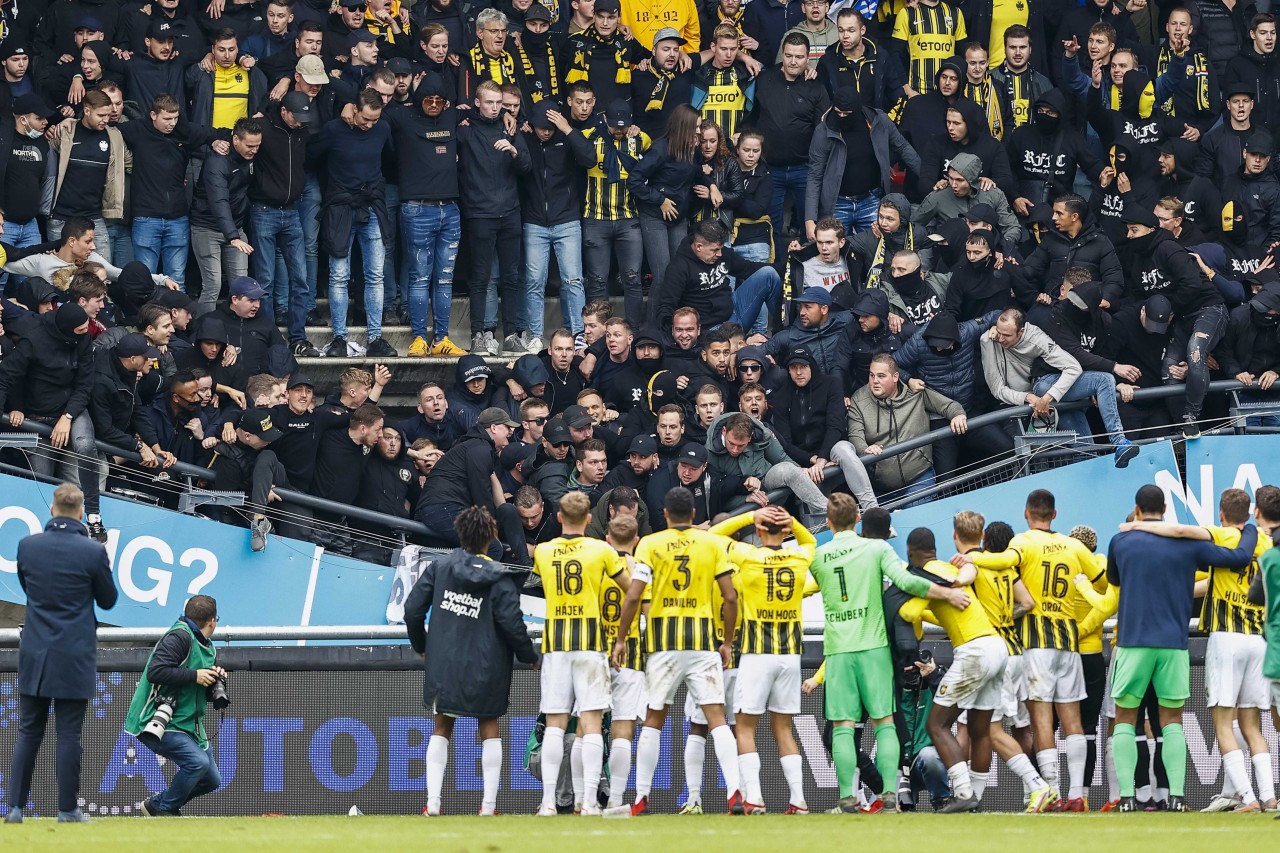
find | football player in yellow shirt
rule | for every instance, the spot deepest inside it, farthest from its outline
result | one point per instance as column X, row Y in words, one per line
column 628, row 680
column 681, row 566
column 771, row 583
column 575, row 665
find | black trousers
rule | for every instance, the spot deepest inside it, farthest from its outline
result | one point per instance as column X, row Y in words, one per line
column 1095, row 684
column 439, row 520
column 35, row 716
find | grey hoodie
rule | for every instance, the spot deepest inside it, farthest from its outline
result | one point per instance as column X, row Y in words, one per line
column 1009, row 371
column 942, row 205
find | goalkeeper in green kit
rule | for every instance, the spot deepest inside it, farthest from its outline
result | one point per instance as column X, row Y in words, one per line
column 850, row 571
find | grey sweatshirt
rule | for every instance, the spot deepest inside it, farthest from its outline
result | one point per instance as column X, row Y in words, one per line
column 1008, row 371
column 45, row 266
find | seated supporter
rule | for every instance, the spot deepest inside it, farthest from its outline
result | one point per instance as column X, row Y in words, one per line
column 751, row 461
column 1141, row 334
column 626, row 389
column 670, row 431
column 752, row 365
column 912, row 290
column 690, row 471
column 251, row 330
column 533, row 377
column 708, row 404
column 247, row 465
column 388, row 478
column 982, row 283
column 472, row 390
column 828, row 336
column 635, row 473
column 712, row 366
column 516, row 463
column 701, row 276
column 616, row 502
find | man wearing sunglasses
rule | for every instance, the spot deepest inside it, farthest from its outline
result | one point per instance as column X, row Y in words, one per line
column 534, row 414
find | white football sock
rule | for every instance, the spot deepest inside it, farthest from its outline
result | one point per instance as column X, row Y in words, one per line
column 1026, row 771
column 1048, row 761
column 1234, row 768
column 575, row 770
column 1113, row 780
column 958, row 773
column 437, row 761
column 1264, row 781
column 619, row 770
column 646, row 760
column 749, row 770
column 592, row 763
column 793, row 772
column 552, row 755
column 695, row 754
column 1077, row 756
column 727, row 757
column 491, row 767
column 978, row 781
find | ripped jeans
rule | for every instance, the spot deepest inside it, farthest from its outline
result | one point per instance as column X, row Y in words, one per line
column 429, row 235
column 1193, row 338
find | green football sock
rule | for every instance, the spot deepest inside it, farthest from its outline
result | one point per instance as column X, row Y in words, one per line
column 1175, row 758
column 888, row 756
column 1124, row 746
column 844, row 752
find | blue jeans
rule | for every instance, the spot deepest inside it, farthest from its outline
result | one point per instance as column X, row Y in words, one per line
column 374, row 252
column 929, row 773
column 791, row 180
column 762, row 289
column 280, row 227
column 858, row 214
column 161, row 244
column 395, row 286
column 430, row 234
column 758, row 252
column 602, row 241
column 566, row 241
column 921, row 484
column 1092, row 383
column 19, row 235
column 197, row 771
column 309, row 213
column 1269, row 398
column 121, row 243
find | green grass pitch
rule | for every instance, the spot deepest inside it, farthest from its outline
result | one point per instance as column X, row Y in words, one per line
column 983, row 833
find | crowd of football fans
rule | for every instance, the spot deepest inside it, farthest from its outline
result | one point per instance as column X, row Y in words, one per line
column 831, row 229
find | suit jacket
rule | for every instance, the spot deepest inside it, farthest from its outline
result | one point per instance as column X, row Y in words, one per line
column 63, row 573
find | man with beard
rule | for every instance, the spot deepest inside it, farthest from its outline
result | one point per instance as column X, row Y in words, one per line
column 966, row 133
column 829, row 338
column 1155, row 263
column 892, row 232
column 664, row 85
column 1045, row 154
column 712, row 368
column 637, row 469
column 684, row 344
column 849, row 161
column 925, row 116
column 1199, row 195
column 982, row 283
column 809, row 423
column 1256, row 192
column 919, row 293
column 690, row 471
column 944, row 357
column 1020, row 84
column 1071, row 243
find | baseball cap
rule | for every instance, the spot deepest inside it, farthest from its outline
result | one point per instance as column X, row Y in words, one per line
column 608, row 6
column 493, row 415
column 644, row 445
column 516, row 452
column 557, row 432
column 479, row 370
column 815, row 295
column 537, row 12
column 1268, row 298
column 311, row 69
column 800, row 355
column 258, row 422
column 247, row 286
column 359, row 36
column 31, row 103
column 159, row 30
column 1260, row 142
column 399, row 65
column 297, row 380
column 668, row 33
column 88, row 22
column 135, row 344
column 172, row 298
column 619, row 113
column 694, row 455
column 981, row 213
column 301, row 108
column 352, row 4
column 577, row 417
column 1135, row 214
column 1159, row 314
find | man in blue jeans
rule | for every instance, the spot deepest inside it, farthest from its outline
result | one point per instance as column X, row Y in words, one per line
column 700, row 277
column 181, row 675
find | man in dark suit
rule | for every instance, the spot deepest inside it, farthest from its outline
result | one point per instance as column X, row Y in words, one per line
column 63, row 573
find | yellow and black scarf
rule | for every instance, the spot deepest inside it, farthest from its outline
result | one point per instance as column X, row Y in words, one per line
column 984, row 95
column 500, row 69
column 877, row 263
column 531, row 74
column 662, row 86
column 587, row 45
column 1199, row 66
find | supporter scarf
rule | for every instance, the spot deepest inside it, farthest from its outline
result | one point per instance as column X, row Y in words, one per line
column 378, row 28
column 617, row 156
column 500, row 70
column 590, row 43
column 658, row 97
column 984, row 95
column 526, row 67
column 877, row 263
column 1200, row 66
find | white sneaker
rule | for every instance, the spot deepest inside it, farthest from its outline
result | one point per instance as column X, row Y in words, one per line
column 1221, row 804
column 546, row 810
column 591, row 811
column 533, row 344
column 491, row 345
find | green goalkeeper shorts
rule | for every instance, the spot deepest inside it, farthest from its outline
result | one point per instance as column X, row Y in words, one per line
column 1168, row 670
column 857, row 682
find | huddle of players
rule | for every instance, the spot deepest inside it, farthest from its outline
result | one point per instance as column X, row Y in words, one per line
column 1016, row 615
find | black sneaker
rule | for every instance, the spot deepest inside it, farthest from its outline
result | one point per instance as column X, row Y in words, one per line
column 1177, row 804
column 314, row 318
column 97, row 532
column 305, row 349
column 1128, row 804
column 337, row 348
column 1190, row 427
column 379, row 348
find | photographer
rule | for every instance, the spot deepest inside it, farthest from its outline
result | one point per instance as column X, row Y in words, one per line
column 167, row 711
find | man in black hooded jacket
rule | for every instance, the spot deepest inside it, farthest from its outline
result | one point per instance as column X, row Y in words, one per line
column 1045, row 153
column 967, row 132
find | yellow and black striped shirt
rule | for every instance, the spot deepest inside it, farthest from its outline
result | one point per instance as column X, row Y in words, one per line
column 931, row 33
column 994, row 590
column 686, row 564
column 1226, row 606
column 574, row 570
column 610, row 199
column 770, row 583
column 1047, row 564
column 728, row 96
column 611, row 598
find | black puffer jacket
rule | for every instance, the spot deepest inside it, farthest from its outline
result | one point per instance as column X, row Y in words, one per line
column 48, row 373
column 1047, row 265
column 955, row 373
column 476, row 627
column 808, row 420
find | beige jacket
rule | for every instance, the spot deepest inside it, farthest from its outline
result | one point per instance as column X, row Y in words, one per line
column 120, row 160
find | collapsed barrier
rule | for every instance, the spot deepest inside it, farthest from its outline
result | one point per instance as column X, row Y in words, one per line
column 318, row 730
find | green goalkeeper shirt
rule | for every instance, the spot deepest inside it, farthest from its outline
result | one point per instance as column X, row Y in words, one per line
column 850, row 572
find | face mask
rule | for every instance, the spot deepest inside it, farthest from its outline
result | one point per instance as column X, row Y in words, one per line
column 1047, row 124
column 1262, row 318
column 649, row 366
column 853, row 122
column 909, row 284
column 32, row 133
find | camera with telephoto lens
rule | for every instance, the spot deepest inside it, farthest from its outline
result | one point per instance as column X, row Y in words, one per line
column 218, row 694
column 160, row 717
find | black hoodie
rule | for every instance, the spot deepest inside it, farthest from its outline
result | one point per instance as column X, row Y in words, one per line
column 466, row 405
column 938, row 151
column 385, row 486
column 1138, row 125
column 1200, row 198
column 977, row 288
column 867, row 345
column 704, row 287
column 461, row 476
column 810, row 420
column 1157, row 263
column 1044, row 159
column 49, row 373
column 1085, row 333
